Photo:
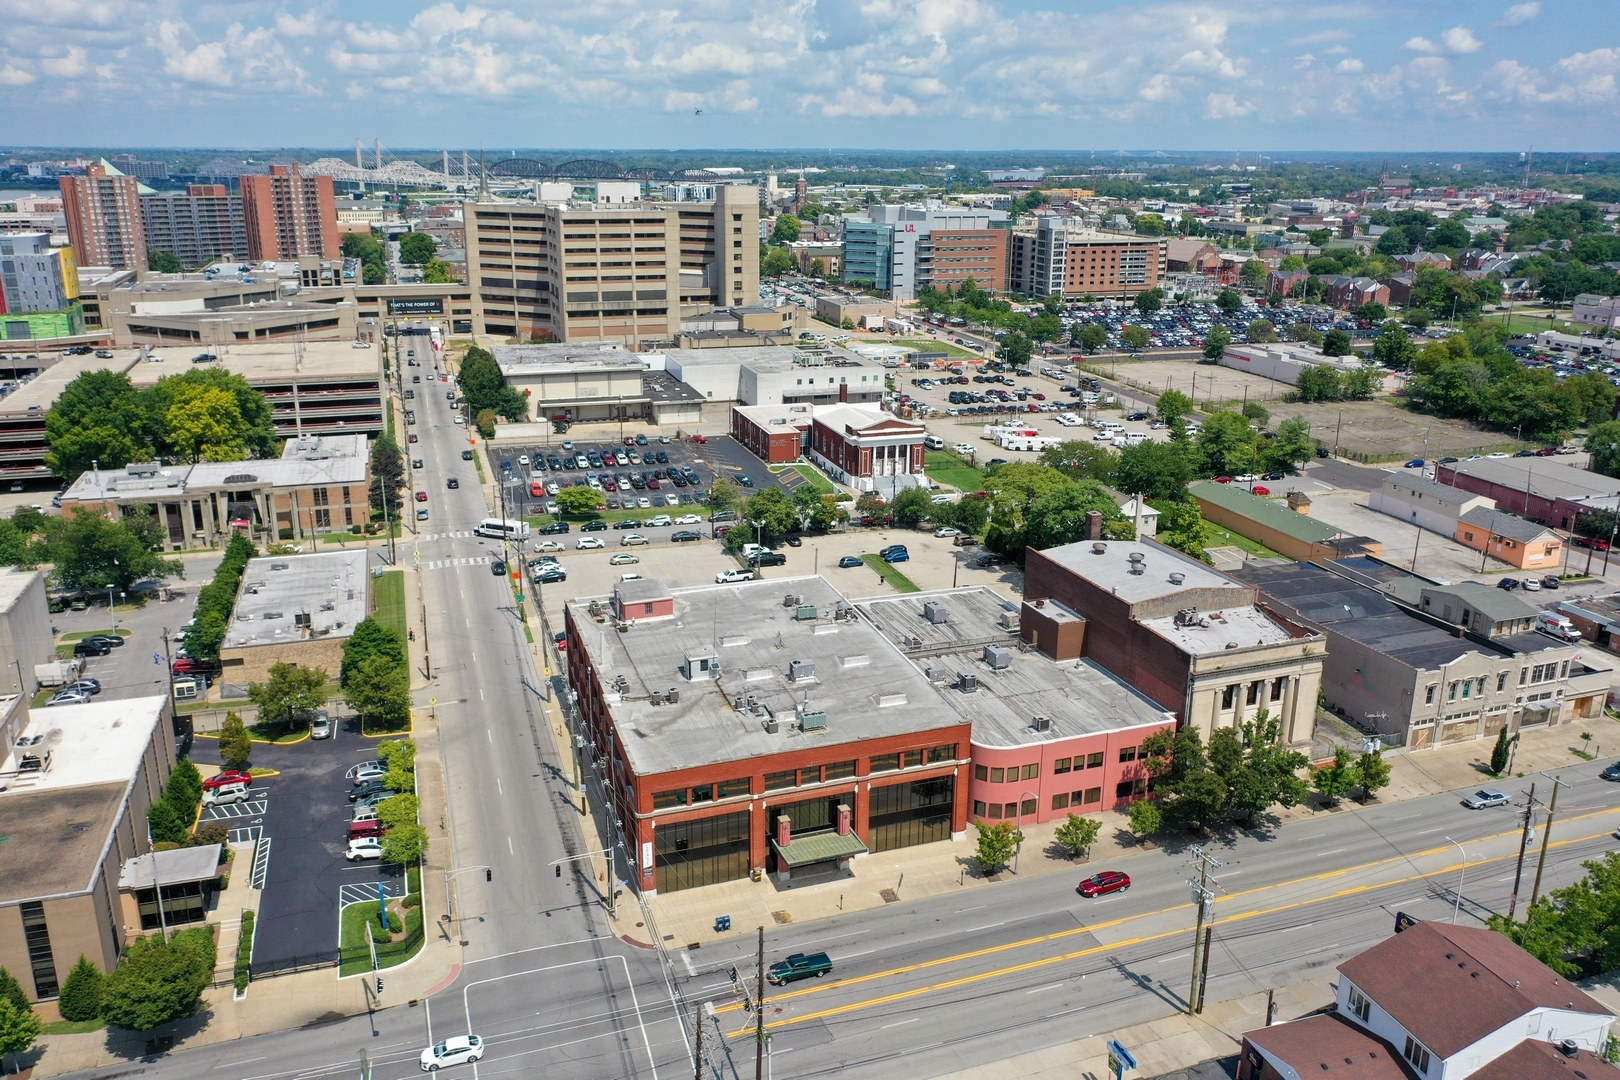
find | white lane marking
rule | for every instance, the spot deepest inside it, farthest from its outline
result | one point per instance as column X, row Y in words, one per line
column 902, row 1023
column 1039, row 989
column 481, row 698
column 509, row 850
column 853, row 955
column 244, row 1061
column 987, row 926
column 1178, row 956
column 1335, row 851
column 981, row 907
column 490, row 735
column 499, row 788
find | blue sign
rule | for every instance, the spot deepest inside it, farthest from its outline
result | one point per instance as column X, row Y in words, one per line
column 382, row 904
column 1122, row 1055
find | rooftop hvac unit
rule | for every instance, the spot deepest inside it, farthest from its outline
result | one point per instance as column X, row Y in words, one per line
column 935, row 612
column 813, row 720
column 801, row 669
column 936, row 673
column 1008, row 620
column 968, row 681
column 792, row 600
column 674, row 695
column 998, row 656
column 655, row 698
column 1042, row 723
column 805, row 613
column 772, row 725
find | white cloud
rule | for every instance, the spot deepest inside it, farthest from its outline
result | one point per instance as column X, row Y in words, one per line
column 1519, row 14
column 299, row 26
column 70, row 66
column 1461, row 40
column 1158, row 88
column 1349, row 65
column 1303, row 60
column 1420, row 44
column 242, row 58
column 12, row 75
column 1226, row 107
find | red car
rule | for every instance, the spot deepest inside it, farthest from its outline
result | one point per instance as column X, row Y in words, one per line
column 1261, row 489
column 1104, row 883
column 373, row 827
column 699, row 438
column 1223, row 479
column 228, row 776
column 185, row 666
column 413, row 438
column 421, row 496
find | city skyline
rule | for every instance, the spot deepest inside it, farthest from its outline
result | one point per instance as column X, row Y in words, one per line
column 968, row 74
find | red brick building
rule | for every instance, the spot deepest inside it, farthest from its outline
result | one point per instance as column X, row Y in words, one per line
column 776, row 434
column 858, row 444
column 794, row 741
column 288, row 214
column 960, row 254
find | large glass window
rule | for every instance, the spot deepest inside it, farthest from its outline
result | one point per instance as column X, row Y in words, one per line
column 885, row 762
column 940, row 754
column 688, row 854
column 905, row 814
column 729, row 788
column 38, row 938
column 663, row 800
column 839, row 770
column 186, row 902
column 779, row 781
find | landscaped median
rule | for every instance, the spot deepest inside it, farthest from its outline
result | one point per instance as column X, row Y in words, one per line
column 398, row 942
column 894, row 577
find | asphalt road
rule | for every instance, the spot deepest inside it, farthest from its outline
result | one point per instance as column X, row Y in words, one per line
column 919, row 988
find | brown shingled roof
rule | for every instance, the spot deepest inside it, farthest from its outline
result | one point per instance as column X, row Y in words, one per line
column 1450, row 986
column 1328, row 1046
column 1533, row 1059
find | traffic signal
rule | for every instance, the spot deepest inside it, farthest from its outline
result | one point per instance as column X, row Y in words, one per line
column 379, row 986
column 489, row 875
column 559, row 871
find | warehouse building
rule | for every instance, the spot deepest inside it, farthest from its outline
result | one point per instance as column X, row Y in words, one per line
column 1544, row 491
column 1419, row 501
column 1285, row 530
column 1283, row 361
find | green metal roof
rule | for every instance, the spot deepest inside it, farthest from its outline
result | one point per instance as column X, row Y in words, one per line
column 1262, row 511
column 818, row 847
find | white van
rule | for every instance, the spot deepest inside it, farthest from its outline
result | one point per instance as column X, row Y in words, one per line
column 933, row 442
column 1558, row 626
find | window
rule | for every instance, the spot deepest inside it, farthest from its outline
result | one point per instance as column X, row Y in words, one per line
column 978, row 808
column 1093, row 795
column 1060, row 801
column 777, row 781
column 1031, row 771
column 1501, row 681
column 1061, row 765
column 1451, row 692
column 1468, row 685
column 1125, row 789
column 1093, row 761
column 1481, row 688
column 1028, row 806
column 703, row 794
column 1428, row 694
column 730, row 788
column 888, row 763
column 1522, row 673
column 838, row 770
column 663, row 800
column 940, row 754
column 1563, row 670
column 1127, row 753
column 1011, row 810
column 1416, row 1054
column 38, row 938
column 1228, row 697
column 1253, row 696
column 981, row 772
column 997, row 775
column 1359, row 1004
column 995, row 812
column 1279, row 686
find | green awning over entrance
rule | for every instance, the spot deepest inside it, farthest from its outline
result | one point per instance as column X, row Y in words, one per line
column 817, row 848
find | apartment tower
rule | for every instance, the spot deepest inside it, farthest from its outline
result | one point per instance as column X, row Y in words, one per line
column 287, row 214
column 104, row 218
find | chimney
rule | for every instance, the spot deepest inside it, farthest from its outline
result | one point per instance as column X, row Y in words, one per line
column 1094, row 525
column 843, row 393
column 843, row 820
column 1299, row 502
column 784, row 830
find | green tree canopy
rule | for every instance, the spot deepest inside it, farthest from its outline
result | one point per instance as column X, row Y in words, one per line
column 1336, row 343
column 774, row 509
column 775, row 262
column 1015, row 350
column 158, row 981
column 1089, row 336
column 787, row 229
column 163, row 262
column 1216, row 341
column 996, row 845
column 80, row 998
column 379, row 690
column 1157, row 470
column 1227, row 444
column 1262, row 330
column 1060, row 516
column 91, row 552
column 205, row 424
column 416, row 249
column 1603, row 440
column 1172, row 406
column 235, row 745
column 1149, row 301
column 371, row 639
column 289, row 693
column 580, row 499
column 1228, row 301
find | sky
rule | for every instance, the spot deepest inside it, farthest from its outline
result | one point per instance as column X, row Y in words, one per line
column 882, row 74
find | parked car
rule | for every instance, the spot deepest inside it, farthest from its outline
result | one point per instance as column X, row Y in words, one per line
column 365, row 847
column 768, row 558
column 1611, row 773
column 1508, row 584
column 554, row 528
column 226, row 793
column 623, row 558
column 849, row 561
column 946, row 530
column 1485, row 797
column 370, row 790
column 320, row 727
column 93, row 648
column 549, row 574
column 594, row 526
column 112, row 641
column 798, row 966
column 367, row 773
column 456, row 1050
column 69, row 697
column 587, row 542
column 227, row 776
column 549, row 545
column 897, row 556
column 1104, row 883
column 684, row 536
column 83, row 686
column 726, row 577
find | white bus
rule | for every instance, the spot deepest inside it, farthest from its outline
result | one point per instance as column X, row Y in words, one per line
column 499, row 529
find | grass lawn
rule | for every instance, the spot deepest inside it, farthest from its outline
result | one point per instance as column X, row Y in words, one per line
column 388, row 601
column 1219, row 537
column 946, row 468
column 818, row 483
column 923, row 345
column 79, row 634
column 890, row 574
column 73, row 1027
column 1525, row 323
column 357, row 956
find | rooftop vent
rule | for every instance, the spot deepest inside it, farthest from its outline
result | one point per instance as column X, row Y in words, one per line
column 1137, row 561
column 792, row 600
column 771, row 725
column 278, row 566
column 856, row 660
column 1008, row 620
column 936, row 612
column 241, row 478
column 1042, row 723
column 801, row 669
column 732, row 641
column 885, row 701
column 998, row 656
column 1177, row 578
column 674, row 695
column 1099, row 548
column 812, row 719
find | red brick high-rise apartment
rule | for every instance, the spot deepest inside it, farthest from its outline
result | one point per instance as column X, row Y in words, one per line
column 288, row 214
column 103, row 210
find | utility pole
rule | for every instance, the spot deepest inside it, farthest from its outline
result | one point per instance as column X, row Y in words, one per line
column 697, row 1058
column 1203, row 897
column 1524, row 842
column 1203, row 973
column 759, row 1012
column 1546, row 835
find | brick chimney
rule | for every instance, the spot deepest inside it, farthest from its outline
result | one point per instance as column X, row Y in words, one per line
column 843, row 392
column 784, row 830
column 843, row 819
column 1094, row 525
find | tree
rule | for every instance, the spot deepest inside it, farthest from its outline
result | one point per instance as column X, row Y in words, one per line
column 19, row 1027
column 387, row 473
column 159, row 981
column 1082, row 459
column 371, row 639
column 416, row 249
column 205, row 424
column 1574, row 930
column 1149, row 225
column 1135, row 337
column 1502, row 752
column 11, row 990
column 1216, row 341
column 437, row 273
column 485, row 420
column 1172, row 406
column 183, row 790
column 1061, row 516
column 996, row 845
column 1393, row 347
column 723, row 495
column 1227, row 445
column 912, row 507
column 1291, row 447
column 163, row 262
column 80, row 998
column 1146, row 819
column 580, row 499
column 1338, row 779
column 1182, row 526
column 1077, row 834
column 788, row 229
column 775, row 262
column 1603, row 440
column 1319, row 382
column 405, row 844
column 1015, row 350
column 235, row 745
column 1254, row 273
column 1372, row 311
column 402, row 809
column 290, row 693
column 818, row 268
column 1336, row 343
column 1047, row 327
column 165, row 824
column 1089, row 336
column 379, row 689
column 772, row 507
column 1256, row 413
column 1262, row 330
column 1150, row 301
column 93, row 552
column 1157, row 470
column 481, row 379
column 257, row 434
column 1228, row 301
column 1199, row 802
column 1373, row 772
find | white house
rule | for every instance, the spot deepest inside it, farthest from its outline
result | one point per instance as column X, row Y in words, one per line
column 1426, row 504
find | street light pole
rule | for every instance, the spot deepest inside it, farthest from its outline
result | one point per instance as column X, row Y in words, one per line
column 1457, row 905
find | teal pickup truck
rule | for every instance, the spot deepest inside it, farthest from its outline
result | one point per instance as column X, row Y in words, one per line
column 798, row 966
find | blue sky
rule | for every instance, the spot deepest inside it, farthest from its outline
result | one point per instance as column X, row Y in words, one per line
column 903, row 74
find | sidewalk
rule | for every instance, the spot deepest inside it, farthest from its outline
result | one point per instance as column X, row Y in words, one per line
column 932, row 869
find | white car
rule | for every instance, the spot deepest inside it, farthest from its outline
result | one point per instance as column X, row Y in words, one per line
column 940, row 500
column 456, row 1050
column 365, row 774
column 946, row 530
column 585, row 542
column 727, row 577
column 549, row 545
column 523, row 460
column 688, row 519
column 1069, row 420
column 661, row 519
column 460, row 419
column 624, row 558
column 963, row 448
column 631, row 540
column 365, row 847
column 361, row 345
column 643, row 503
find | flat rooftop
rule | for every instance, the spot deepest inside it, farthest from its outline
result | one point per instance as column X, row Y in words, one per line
column 13, row 584
column 170, row 867
column 770, row 357
column 99, row 743
column 55, row 837
column 40, row 393
column 661, row 386
column 324, row 447
column 1079, row 697
column 557, row 359
column 174, row 481
column 866, row 686
column 782, row 416
column 1111, row 569
column 1548, row 479
column 1227, row 628
column 277, row 591
column 269, row 361
column 1265, row 512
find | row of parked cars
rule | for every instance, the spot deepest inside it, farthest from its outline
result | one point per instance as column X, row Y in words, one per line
column 365, row 831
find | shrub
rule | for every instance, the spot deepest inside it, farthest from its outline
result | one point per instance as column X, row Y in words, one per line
column 214, row 832
column 165, row 823
column 81, row 993
column 395, row 925
column 378, row 934
column 159, row 981
column 244, row 952
column 413, row 900
column 11, row 990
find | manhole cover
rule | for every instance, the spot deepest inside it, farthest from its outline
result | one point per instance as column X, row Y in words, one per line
column 782, row 917
column 889, row 896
